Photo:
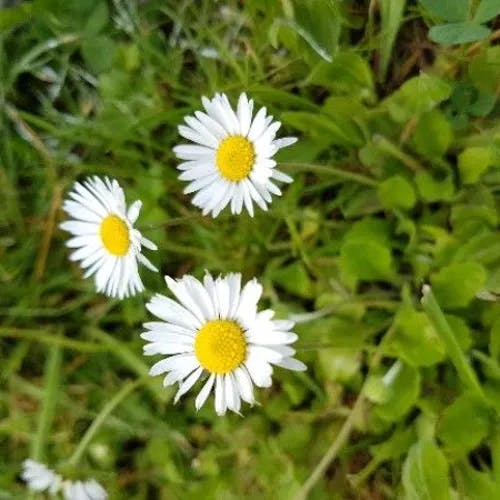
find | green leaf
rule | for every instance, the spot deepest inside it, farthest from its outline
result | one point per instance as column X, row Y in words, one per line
column 323, row 127
column 416, row 96
column 339, row 365
column 456, row 33
column 432, row 189
column 97, row 20
column 12, row 16
column 98, row 53
column 448, row 10
column 473, row 162
column 457, row 284
column 464, row 424
column 318, row 23
column 391, row 17
column 294, row 279
column 403, row 387
column 425, row 473
column 396, row 192
column 348, row 71
column 486, row 11
column 477, row 485
column 395, row 446
column 484, row 70
column 366, row 260
column 433, row 134
column 415, row 339
column 494, row 346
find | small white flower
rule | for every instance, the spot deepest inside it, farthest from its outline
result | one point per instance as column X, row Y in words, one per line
column 231, row 160
column 106, row 242
column 214, row 329
column 83, row 490
column 40, row 478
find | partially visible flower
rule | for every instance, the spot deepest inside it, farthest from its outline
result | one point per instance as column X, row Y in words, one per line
column 214, row 329
column 40, row 478
column 107, row 244
column 83, row 490
column 230, row 161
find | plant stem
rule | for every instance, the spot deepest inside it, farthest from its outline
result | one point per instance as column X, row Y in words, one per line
column 101, row 418
column 333, row 171
column 51, row 384
column 391, row 149
column 435, row 314
column 333, row 450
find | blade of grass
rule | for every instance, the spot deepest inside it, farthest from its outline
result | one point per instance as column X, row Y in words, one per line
column 52, row 375
column 443, row 329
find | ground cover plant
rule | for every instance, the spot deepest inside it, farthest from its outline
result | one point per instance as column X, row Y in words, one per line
column 384, row 249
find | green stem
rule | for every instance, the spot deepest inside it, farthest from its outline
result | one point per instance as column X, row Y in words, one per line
column 50, row 338
column 333, row 450
column 391, row 149
column 333, row 171
column 101, row 418
column 435, row 314
column 51, row 384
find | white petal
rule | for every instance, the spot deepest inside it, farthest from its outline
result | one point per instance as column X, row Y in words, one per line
column 134, row 210
column 220, row 400
column 292, row 364
column 188, row 383
column 205, row 391
column 177, row 362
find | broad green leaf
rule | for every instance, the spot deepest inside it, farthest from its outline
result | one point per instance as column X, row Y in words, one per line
column 97, row 20
column 348, row 71
column 396, row 192
column 318, row 23
column 464, row 424
column 456, row 33
column 486, row 11
column 416, row 96
column 370, row 228
column 366, row 260
column 433, row 189
column 403, row 386
column 473, row 162
column 99, row 53
column 12, row 16
column 457, row 284
column 355, row 201
column 448, row 10
column 294, row 279
column 484, row 69
column 433, row 134
column 323, row 127
column 391, row 17
column 339, row 365
column 395, row 446
column 425, row 473
column 477, row 485
column 415, row 339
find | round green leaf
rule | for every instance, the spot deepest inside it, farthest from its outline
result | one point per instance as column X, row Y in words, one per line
column 425, row 473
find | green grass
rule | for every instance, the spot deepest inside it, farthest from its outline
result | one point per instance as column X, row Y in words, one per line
column 396, row 186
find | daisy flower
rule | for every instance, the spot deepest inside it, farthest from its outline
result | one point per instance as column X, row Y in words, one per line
column 230, row 161
column 40, row 478
column 106, row 242
column 213, row 331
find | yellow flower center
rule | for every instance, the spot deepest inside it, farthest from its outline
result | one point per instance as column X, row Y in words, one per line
column 235, row 157
column 115, row 235
column 220, row 346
